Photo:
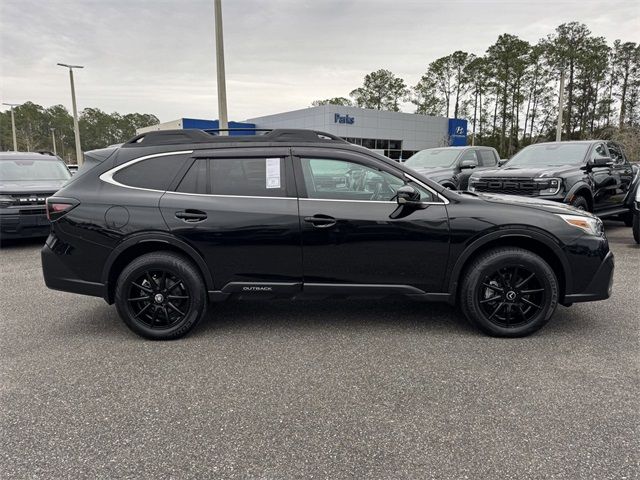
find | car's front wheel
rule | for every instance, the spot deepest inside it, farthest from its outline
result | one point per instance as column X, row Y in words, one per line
column 509, row 292
column 580, row 203
column 161, row 296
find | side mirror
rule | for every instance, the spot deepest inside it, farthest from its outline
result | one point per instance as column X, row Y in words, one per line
column 502, row 161
column 408, row 199
column 407, row 195
column 602, row 162
column 599, row 162
column 468, row 164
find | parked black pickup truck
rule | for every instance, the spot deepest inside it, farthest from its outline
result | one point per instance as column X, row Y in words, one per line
column 592, row 175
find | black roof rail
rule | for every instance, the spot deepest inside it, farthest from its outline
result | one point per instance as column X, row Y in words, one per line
column 189, row 136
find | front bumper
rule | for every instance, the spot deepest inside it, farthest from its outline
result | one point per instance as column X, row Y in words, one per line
column 600, row 286
column 21, row 225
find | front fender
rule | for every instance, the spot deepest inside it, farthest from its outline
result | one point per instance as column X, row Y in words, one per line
column 552, row 245
column 579, row 185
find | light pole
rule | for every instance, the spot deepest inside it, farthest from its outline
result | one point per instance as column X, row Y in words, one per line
column 53, row 139
column 13, row 124
column 560, row 107
column 76, row 128
column 223, row 123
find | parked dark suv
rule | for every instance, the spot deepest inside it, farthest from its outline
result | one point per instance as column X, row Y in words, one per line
column 26, row 180
column 592, row 175
column 452, row 166
column 173, row 221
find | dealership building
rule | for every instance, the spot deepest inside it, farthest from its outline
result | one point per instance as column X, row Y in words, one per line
column 395, row 134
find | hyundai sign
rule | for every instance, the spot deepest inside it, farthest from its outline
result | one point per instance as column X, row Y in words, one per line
column 457, row 132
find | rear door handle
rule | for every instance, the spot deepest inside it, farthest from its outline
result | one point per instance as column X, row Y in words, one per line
column 191, row 216
column 321, row 221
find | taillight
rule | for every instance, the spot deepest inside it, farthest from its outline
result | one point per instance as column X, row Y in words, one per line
column 58, row 207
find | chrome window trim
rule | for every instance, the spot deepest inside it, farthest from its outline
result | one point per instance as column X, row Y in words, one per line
column 229, row 196
column 444, row 199
column 107, row 176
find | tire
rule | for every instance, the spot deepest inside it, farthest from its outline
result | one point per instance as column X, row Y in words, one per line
column 580, row 202
column 497, row 297
column 627, row 218
column 154, row 308
column 636, row 226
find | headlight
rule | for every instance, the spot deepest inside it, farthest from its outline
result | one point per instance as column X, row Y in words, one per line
column 6, row 201
column 590, row 225
column 553, row 185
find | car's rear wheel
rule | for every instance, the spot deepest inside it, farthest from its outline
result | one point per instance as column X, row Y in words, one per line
column 580, row 203
column 636, row 226
column 509, row 292
column 161, row 296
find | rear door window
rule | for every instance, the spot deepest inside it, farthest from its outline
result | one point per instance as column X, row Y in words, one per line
column 152, row 173
column 261, row 177
column 195, row 180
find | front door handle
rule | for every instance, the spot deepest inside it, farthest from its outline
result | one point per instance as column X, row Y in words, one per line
column 191, row 216
column 321, row 221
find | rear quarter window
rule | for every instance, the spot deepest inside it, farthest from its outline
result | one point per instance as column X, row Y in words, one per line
column 152, row 173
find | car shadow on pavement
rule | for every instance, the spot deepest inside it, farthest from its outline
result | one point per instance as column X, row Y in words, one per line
column 17, row 243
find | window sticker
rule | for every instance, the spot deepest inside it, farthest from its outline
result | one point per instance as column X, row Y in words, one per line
column 273, row 172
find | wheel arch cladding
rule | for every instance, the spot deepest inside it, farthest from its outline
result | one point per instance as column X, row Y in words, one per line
column 541, row 247
column 133, row 248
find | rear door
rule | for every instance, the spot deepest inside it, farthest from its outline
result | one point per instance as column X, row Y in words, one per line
column 238, row 208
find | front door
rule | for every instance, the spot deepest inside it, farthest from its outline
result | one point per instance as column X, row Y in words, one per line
column 239, row 210
column 350, row 242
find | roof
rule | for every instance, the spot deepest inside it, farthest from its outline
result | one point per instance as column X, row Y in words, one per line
column 28, row 156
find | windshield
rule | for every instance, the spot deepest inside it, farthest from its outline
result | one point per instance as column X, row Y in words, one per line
column 433, row 157
column 29, row 170
column 550, row 154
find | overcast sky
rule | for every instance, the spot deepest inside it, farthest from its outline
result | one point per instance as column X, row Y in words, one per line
column 157, row 56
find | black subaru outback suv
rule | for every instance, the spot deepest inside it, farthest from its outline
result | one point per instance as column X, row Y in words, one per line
column 592, row 175
column 173, row 221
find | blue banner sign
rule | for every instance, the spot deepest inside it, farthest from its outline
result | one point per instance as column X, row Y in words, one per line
column 457, row 132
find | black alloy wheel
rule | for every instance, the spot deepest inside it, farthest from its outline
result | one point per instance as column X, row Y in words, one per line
column 510, row 296
column 159, row 299
column 509, row 292
column 161, row 295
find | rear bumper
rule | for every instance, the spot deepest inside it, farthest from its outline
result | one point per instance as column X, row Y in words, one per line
column 600, row 286
column 58, row 276
column 17, row 225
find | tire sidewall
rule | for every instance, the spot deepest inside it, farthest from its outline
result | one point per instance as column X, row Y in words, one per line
column 176, row 265
column 500, row 259
column 580, row 201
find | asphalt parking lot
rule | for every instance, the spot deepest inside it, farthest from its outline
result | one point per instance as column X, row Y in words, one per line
column 327, row 389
